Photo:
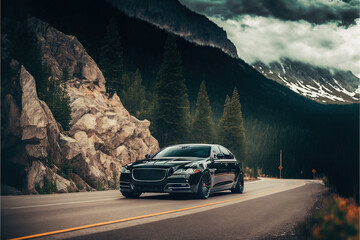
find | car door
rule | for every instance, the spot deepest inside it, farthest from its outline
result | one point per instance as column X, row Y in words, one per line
column 229, row 164
column 224, row 174
column 216, row 167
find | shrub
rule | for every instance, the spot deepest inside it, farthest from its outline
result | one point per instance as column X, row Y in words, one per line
column 250, row 172
column 115, row 180
column 339, row 219
column 66, row 169
column 49, row 161
column 48, row 187
column 99, row 186
column 79, row 186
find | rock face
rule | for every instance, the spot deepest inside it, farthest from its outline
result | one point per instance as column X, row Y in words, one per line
column 103, row 135
column 174, row 17
column 37, row 132
column 37, row 122
column 59, row 50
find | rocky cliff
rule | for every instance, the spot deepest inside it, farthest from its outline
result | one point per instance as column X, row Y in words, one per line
column 174, row 17
column 103, row 135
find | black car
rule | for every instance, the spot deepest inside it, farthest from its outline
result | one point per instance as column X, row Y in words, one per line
column 200, row 169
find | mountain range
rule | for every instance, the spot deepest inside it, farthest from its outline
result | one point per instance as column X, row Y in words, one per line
column 174, row 17
column 319, row 84
column 329, row 86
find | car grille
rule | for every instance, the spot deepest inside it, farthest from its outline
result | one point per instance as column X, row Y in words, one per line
column 148, row 174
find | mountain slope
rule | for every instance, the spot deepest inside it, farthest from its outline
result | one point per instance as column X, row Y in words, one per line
column 174, row 17
column 319, row 84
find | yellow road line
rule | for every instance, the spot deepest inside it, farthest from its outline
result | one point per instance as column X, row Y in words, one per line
column 139, row 217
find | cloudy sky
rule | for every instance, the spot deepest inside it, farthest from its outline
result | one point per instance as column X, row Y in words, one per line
column 324, row 33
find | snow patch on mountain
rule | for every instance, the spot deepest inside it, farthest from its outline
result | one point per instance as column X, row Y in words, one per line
column 358, row 90
column 319, row 84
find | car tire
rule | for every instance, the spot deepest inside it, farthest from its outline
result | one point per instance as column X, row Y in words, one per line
column 204, row 186
column 239, row 187
column 131, row 194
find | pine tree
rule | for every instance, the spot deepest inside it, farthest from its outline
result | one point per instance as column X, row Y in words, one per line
column 111, row 59
column 58, row 100
column 65, row 76
column 203, row 129
column 64, row 100
column 134, row 98
column 42, row 77
column 172, row 112
column 231, row 127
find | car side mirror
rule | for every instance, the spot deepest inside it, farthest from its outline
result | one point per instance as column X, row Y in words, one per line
column 147, row 156
column 220, row 156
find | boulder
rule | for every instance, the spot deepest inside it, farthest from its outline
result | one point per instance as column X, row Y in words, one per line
column 86, row 123
column 70, row 147
column 33, row 134
column 38, row 173
column 81, row 185
column 32, row 114
column 35, row 176
column 86, row 145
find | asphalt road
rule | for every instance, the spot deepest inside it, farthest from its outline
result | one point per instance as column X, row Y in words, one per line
column 268, row 207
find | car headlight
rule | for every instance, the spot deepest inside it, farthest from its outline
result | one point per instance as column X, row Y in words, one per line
column 186, row 171
column 125, row 170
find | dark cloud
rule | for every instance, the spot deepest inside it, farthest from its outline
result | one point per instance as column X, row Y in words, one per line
column 327, row 44
column 317, row 12
column 270, row 39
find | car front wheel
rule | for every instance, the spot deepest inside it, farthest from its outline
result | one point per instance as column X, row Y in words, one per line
column 204, row 186
column 239, row 187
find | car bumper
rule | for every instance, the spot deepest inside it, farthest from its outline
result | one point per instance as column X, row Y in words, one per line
column 172, row 184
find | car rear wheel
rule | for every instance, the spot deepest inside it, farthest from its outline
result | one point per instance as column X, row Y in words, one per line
column 204, row 186
column 239, row 187
column 131, row 194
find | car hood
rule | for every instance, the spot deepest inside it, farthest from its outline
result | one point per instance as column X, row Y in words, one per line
column 167, row 163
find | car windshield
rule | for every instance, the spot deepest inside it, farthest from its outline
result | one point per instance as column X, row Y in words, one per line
column 184, row 151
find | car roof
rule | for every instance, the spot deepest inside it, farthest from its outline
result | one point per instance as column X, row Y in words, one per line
column 193, row 144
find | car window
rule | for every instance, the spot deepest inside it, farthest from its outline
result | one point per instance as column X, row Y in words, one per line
column 215, row 151
column 184, row 151
column 227, row 153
